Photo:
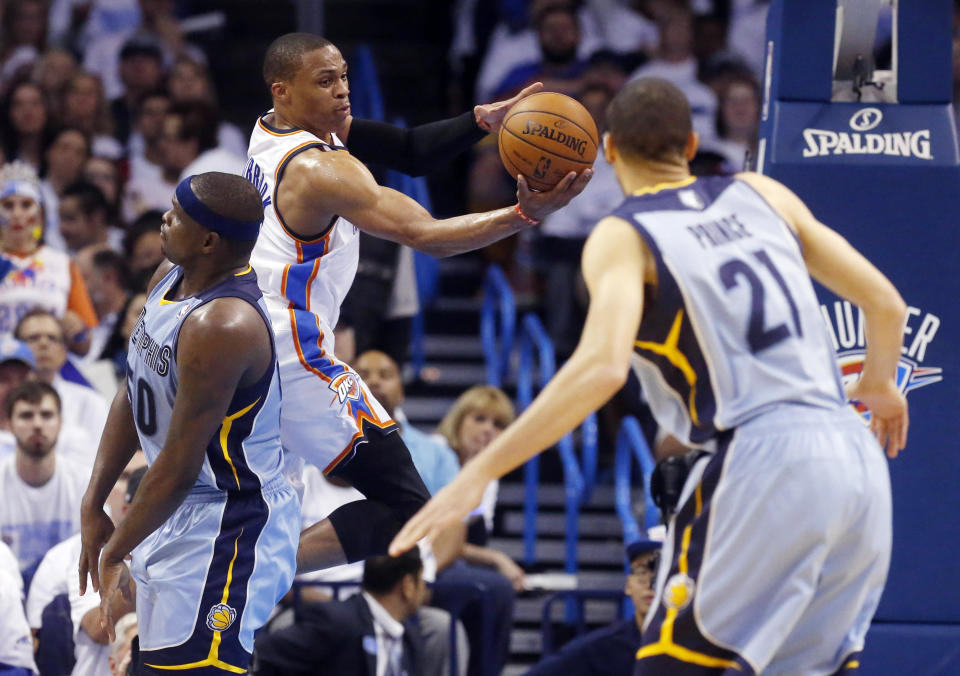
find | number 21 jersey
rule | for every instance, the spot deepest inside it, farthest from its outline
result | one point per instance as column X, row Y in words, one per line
column 734, row 326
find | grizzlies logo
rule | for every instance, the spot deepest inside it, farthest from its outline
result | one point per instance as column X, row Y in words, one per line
column 678, row 591
column 220, row 617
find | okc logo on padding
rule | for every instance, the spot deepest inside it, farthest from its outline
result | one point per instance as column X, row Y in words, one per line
column 347, row 386
column 678, row 592
column 910, row 375
column 220, row 617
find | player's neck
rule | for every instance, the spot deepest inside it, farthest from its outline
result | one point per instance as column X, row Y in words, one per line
column 200, row 278
column 638, row 176
column 283, row 120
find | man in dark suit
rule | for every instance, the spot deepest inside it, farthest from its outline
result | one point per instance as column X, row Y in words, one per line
column 367, row 635
column 610, row 651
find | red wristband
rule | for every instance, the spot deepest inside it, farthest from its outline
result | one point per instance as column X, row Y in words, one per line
column 526, row 219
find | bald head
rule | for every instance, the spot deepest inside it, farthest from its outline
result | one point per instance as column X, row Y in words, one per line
column 382, row 376
column 285, row 55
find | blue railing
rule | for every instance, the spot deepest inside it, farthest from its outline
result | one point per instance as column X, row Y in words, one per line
column 632, row 444
column 497, row 336
column 534, row 342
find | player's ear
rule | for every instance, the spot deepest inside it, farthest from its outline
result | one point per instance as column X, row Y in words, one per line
column 210, row 242
column 693, row 143
column 609, row 152
column 279, row 91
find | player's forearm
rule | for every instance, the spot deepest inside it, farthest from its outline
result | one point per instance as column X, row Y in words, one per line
column 883, row 332
column 460, row 234
column 581, row 386
column 118, row 443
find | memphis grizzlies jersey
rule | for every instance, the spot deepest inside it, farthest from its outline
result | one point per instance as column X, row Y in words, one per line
column 244, row 453
column 734, row 326
column 294, row 282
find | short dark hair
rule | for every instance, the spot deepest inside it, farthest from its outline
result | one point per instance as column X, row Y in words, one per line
column 650, row 119
column 90, row 196
column 381, row 574
column 32, row 392
column 37, row 312
column 198, row 120
column 231, row 196
column 285, row 54
column 108, row 259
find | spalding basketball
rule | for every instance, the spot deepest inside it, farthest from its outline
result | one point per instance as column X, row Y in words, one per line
column 545, row 136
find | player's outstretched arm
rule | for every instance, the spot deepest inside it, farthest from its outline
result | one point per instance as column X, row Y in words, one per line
column 223, row 344
column 613, row 267
column 833, row 262
column 337, row 183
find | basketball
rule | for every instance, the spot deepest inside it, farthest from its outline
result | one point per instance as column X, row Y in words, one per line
column 545, row 136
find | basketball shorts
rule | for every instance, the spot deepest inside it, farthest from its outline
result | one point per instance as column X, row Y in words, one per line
column 777, row 557
column 210, row 576
column 327, row 409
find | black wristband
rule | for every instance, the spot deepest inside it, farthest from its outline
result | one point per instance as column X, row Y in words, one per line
column 415, row 151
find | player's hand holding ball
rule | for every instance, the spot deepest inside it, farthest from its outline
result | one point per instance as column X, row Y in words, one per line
column 549, row 142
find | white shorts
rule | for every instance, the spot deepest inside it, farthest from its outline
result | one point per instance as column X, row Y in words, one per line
column 209, row 577
column 326, row 406
column 777, row 557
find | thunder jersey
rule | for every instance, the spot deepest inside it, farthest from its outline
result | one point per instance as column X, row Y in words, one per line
column 244, row 454
column 300, row 292
column 734, row 326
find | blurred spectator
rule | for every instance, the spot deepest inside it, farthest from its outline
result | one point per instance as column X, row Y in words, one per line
column 190, row 81
column 143, row 248
column 105, row 273
column 81, row 406
column 39, row 275
column 158, row 25
column 27, row 125
column 748, row 23
column 41, row 491
column 16, row 643
column 85, row 107
column 83, row 218
column 52, row 71
column 563, row 233
column 141, row 70
column 78, row 23
column 738, row 119
column 57, row 574
column 368, row 634
column 150, row 187
column 613, row 649
column 189, row 142
column 121, row 650
column 606, row 69
column 64, row 161
column 16, row 365
column 558, row 65
column 23, row 36
column 103, row 173
column 676, row 63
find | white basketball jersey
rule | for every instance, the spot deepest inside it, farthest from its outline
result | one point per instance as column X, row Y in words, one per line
column 288, row 267
column 734, row 326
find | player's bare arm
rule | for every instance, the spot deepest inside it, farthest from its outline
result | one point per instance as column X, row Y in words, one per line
column 614, row 270
column 318, row 185
column 223, row 345
column 833, row 262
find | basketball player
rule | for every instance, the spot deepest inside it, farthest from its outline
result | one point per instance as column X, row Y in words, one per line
column 213, row 528
column 316, row 196
column 779, row 551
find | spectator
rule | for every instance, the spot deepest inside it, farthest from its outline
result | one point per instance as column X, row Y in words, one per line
column 613, row 649
column 738, row 119
column 27, row 125
column 748, row 23
column 143, row 248
column 84, row 106
column 368, row 634
column 141, row 70
column 564, row 232
column 676, row 63
column 16, row 644
column 559, row 67
column 81, row 406
column 190, row 143
column 16, row 365
column 149, row 186
column 64, row 161
column 38, row 276
column 52, row 71
column 190, row 81
column 105, row 273
column 57, row 574
column 103, row 173
column 121, row 650
column 23, row 36
column 80, row 23
column 41, row 491
column 83, row 219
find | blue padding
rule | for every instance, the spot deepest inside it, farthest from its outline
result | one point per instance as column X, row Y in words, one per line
column 914, row 649
column 802, row 27
column 924, row 63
